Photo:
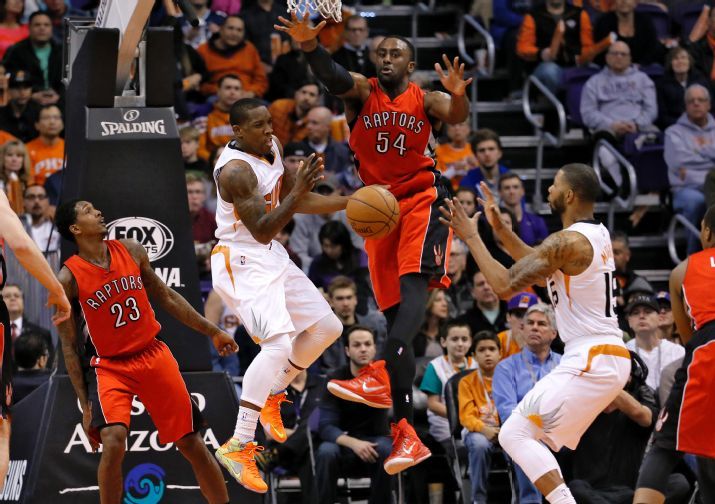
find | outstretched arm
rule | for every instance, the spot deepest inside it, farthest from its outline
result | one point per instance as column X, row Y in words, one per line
column 337, row 79
column 32, row 259
column 174, row 304
column 450, row 109
column 511, row 241
column 311, row 203
column 565, row 250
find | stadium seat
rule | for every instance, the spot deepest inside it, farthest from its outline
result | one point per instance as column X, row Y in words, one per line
column 687, row 17
column 660, row 18
column 500, row 462
column 574, row 80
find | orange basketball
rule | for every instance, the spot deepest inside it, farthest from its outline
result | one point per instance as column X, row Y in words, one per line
column 373, row 212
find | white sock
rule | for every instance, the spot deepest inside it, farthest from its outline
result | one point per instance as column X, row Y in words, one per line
column 561, row 495
column 285, row 376
column 246, row 424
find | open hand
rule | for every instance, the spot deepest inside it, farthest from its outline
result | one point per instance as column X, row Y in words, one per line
column 308, row 174
column 491, row 209
column 224, row 344
column 455, row 217
column 365, row 450
column 453, row 81
column 300, row 30
column 63, row 308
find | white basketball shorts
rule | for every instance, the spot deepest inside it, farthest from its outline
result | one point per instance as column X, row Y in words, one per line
column 265, row 289
column 564, row 403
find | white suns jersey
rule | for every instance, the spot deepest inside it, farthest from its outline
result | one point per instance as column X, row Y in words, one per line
column 269, row 173
column 585, row 304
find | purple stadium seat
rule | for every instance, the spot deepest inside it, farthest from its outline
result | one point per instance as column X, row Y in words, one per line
column 687, row 17
column 655, row 71
column 574, row 79
column 660, row 18
column 651, row 170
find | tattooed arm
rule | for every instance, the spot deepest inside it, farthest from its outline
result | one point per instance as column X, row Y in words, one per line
column 568, row 251
column 174, row 304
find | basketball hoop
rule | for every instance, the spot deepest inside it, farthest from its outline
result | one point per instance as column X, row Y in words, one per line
column 329, row 9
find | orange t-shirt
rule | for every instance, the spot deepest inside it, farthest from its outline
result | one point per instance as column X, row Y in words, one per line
column 508, row 349
column 455, row 163
column 44, row 159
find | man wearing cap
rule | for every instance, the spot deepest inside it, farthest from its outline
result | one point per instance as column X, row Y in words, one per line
column 18, row 116
column 643, row 317
column 666, row 324
column 512, row 339
column 517, row 374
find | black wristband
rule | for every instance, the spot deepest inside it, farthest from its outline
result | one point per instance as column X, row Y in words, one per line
column 331, row 74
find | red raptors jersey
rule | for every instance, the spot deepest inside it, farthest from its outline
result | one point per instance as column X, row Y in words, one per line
column 120, row 320
column 697, row 287
column 390, row 139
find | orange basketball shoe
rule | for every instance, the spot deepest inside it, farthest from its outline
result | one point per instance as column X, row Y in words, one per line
column 371, row 386
column 239, row 460
column 271, row 417
column 407, row 449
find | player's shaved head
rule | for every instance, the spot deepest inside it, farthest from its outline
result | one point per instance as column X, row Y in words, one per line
column 583, row 181
column 241, row 110
column 409, row 45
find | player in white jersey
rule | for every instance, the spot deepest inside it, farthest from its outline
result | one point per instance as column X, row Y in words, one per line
column 280, row 308
column 576, row 265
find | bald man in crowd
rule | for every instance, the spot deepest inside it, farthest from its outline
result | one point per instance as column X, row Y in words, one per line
column 336, row 155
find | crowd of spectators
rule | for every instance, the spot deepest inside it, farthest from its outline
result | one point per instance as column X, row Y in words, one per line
column 505, row 346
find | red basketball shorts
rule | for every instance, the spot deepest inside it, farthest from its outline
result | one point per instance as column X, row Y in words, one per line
column 151, row 374
column 419, row 244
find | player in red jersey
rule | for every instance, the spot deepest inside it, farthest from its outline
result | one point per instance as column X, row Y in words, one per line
column 391, row 128
column 13, row 234
column 110, row 280
column 685, row 424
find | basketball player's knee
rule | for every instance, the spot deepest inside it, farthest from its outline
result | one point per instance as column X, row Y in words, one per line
column 278, row 344
column 329, row 329
column 191, row 446
column 513, row 432
column 114, row 441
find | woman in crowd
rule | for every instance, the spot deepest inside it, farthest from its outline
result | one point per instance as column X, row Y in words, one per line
column 13, row 172
column 11, row 30
column 680, row 73
column 426, row 342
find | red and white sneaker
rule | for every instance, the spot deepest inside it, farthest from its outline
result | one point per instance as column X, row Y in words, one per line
column 371, row 386
column 407, row 449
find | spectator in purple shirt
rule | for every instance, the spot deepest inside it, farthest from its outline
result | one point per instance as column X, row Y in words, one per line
column 532, row 228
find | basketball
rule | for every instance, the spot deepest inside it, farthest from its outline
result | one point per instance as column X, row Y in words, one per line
column 373, row 212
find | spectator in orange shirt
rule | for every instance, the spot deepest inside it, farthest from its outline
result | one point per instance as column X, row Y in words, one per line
column 47, row 151
column 289, row 114
column 478, row 414
column 550, row 52
column 456, row 158
column 228, row 52
column 218, row 130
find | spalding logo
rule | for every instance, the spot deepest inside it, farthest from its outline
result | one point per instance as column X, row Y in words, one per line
column 156, row 238
column 131, row 115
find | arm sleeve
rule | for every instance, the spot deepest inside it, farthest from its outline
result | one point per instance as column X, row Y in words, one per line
column 649, row 111
column 430, row 382
column 592, row 118
column 468, row 407
column 504, row 390
column 328, row 424
column 329, row 72
column 526, row 42
column 586, row 34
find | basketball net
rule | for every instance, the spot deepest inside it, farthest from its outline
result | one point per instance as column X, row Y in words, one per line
column 329, row 9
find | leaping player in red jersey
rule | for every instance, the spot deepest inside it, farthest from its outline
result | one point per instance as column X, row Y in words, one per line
column 391, row 128
column 110, row 280
column 685, row 424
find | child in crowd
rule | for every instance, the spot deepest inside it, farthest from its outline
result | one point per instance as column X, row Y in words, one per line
column 478, row 414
